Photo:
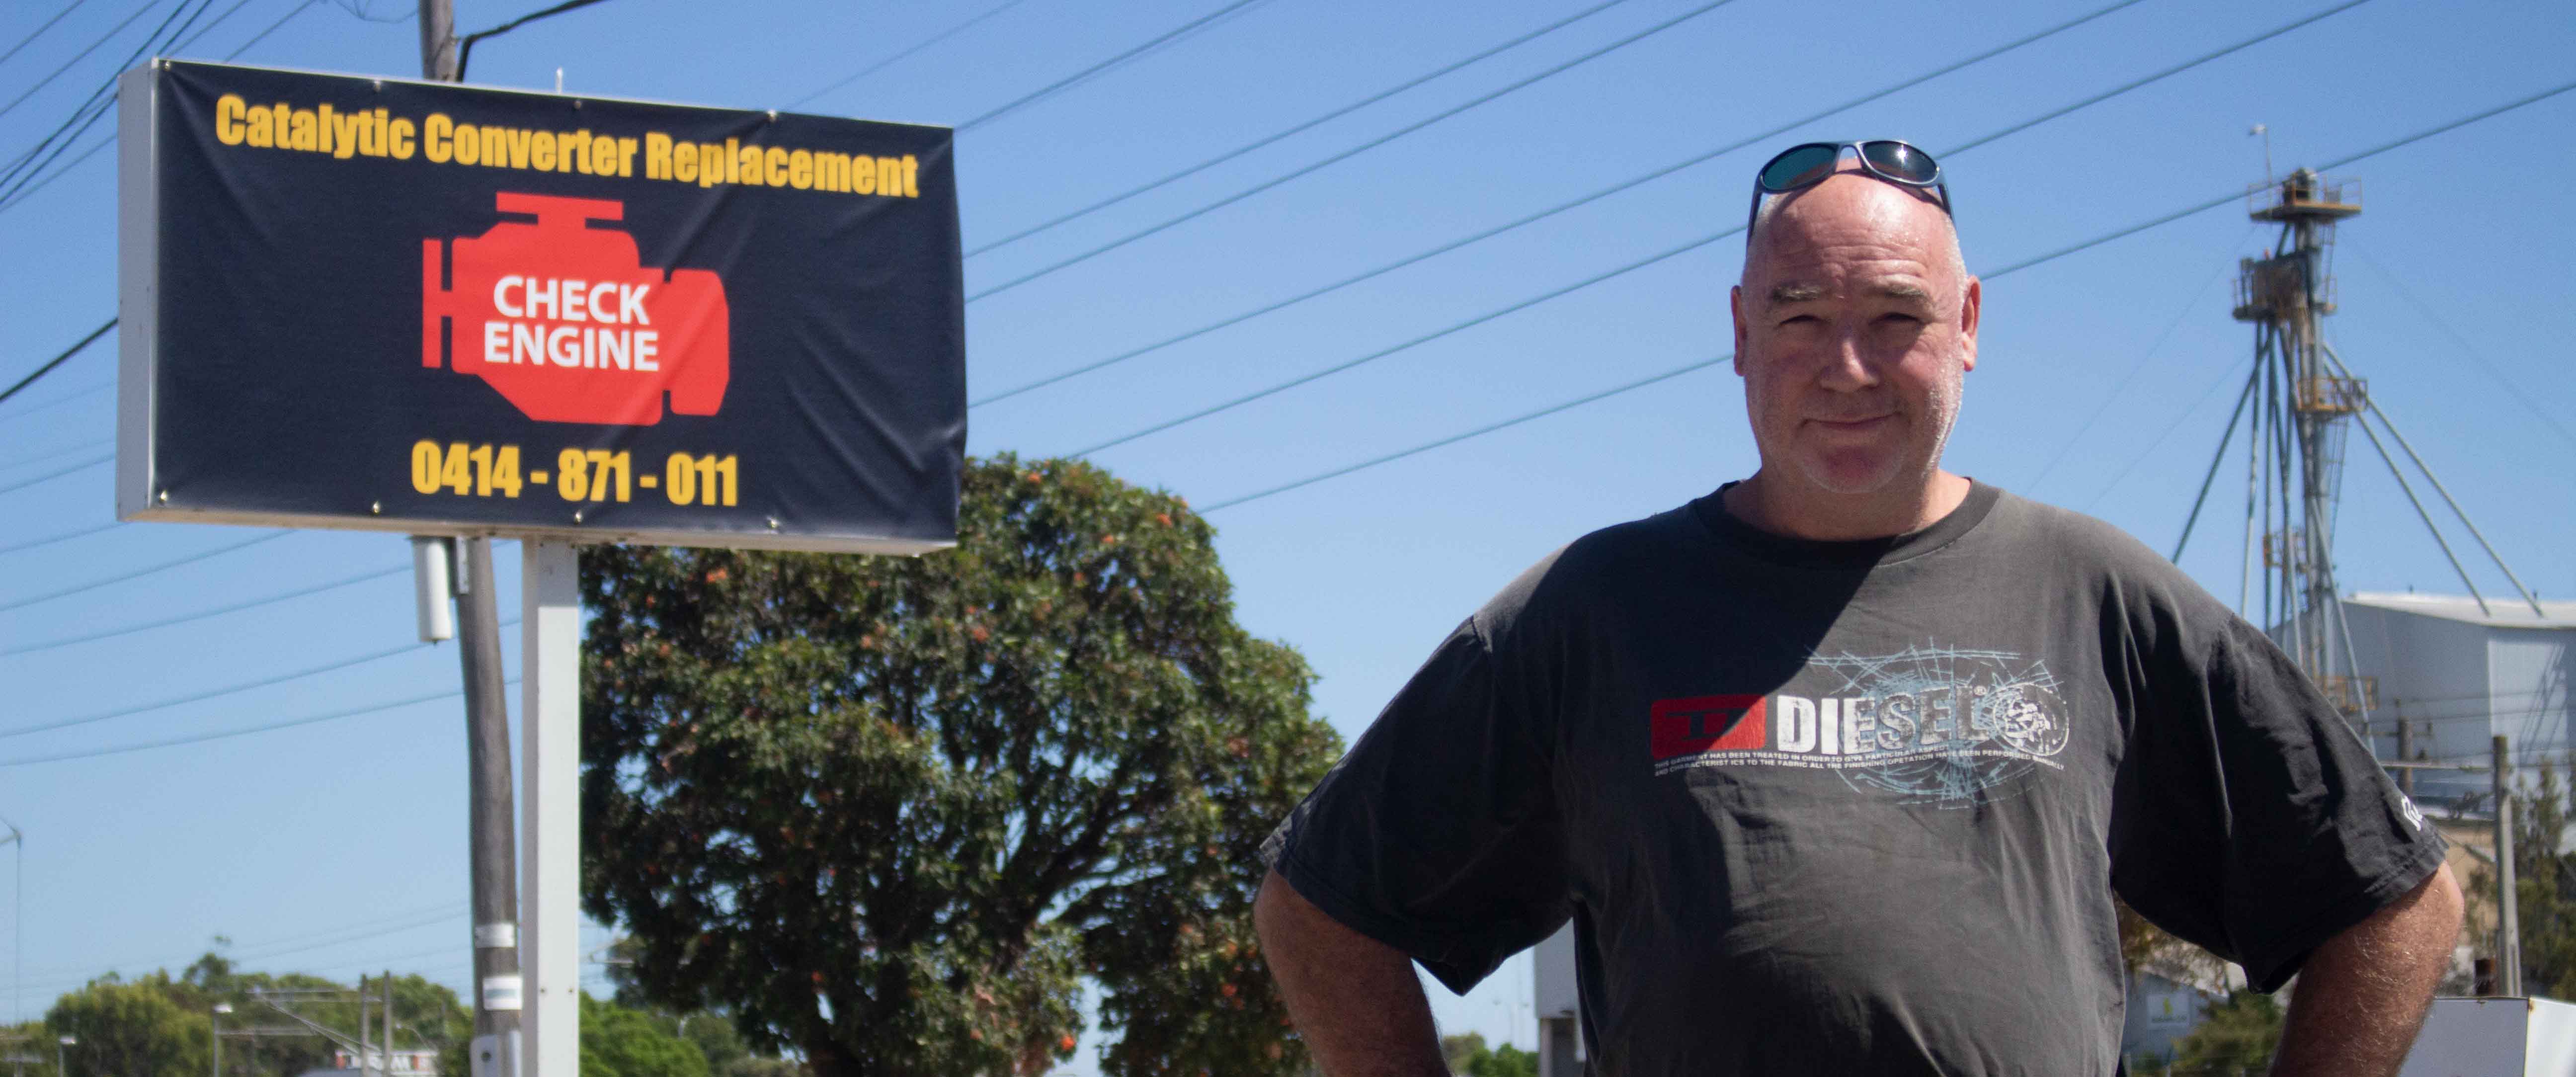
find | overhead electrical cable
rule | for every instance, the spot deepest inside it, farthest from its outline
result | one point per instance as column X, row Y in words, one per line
column 29, row 190
column 58, row 360
column 184, row 618
column 908, row 52
column 225, row 734
column 2513, row 390
column 1061, row 84
column 83, row 54
column 15, row 177
column 212, row 693
column 64, row 537
column 58, row 454
column 82, row 393
column 193, row 558
column 1551, row 211
column 52, row 475
column 2180, row 417
column 40, row 31
column 1672, row 252
column 1354, row 151
column 1307, row 125
column 2027, row 263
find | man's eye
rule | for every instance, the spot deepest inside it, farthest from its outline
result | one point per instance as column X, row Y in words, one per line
column 1801, row 319
column 1900, row 318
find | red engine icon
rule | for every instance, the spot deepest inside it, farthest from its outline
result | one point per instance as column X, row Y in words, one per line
column 566, row 323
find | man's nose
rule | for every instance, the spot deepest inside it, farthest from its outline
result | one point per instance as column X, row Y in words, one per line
column 1847, row 365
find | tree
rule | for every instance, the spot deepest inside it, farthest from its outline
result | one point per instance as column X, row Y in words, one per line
column 619, row 1042
column 1503, row 1061
column 892, row 812
column 131, row 1030
column 2238, row 1035
column 2544, row 888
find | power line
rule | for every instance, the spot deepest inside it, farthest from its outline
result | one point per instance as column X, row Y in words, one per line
column 190, row 559
column 52, row 475
column 2224, row 376
column 196, row 697
column 368, row 928
column 29, row 190
column 2471, row 350
column 1302, row 127
column 2135, row 369
column 465, row 45
column 40, row 31
column 1059, row 85
column 916, row 47
column 65, row 537
column 58, row 360
column 201, row 738
column 1692, row 245
column 1354, row 151
column 66, row 398
column 83, row 54
column 2014, row 268
column 14, row 178
column 1551, row 211
column 57, row 454
column 363, row 577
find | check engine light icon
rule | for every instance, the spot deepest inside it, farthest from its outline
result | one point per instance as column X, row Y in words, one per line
column 564, row 320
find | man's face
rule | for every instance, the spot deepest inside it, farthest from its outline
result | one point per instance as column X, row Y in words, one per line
column 1853, row 328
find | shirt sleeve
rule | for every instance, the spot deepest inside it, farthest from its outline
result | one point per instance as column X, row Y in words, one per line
column 1438, row 833
column 2248, row 817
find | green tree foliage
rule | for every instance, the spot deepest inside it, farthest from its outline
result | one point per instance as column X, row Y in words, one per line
column 619, row 1042
column 131, row 1030
column 2238, row 1036
column 892, row 812
column 1456, row 1050
column 1503, row 1061
column 2544, row 889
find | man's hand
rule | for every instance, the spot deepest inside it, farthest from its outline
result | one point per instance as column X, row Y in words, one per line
column 1355, row 998
column 2361, row 997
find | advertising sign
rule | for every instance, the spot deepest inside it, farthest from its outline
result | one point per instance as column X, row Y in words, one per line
column 430, row 308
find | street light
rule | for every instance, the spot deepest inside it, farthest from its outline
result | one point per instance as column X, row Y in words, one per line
column 221, row 1008
column 59, row 1070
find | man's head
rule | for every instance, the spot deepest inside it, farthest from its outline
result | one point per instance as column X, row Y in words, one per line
column 1854, row 324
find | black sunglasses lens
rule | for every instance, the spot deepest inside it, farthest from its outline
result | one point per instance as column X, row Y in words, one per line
column 1799, row 167
column 1901, row 161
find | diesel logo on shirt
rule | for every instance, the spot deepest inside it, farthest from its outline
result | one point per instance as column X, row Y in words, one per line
column 1932, row 725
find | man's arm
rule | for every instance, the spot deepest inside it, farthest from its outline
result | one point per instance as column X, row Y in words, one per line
column 2361, row 997
column 1355, row 998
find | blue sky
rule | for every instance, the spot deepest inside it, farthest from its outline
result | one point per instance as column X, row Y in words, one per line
column 2103, row 384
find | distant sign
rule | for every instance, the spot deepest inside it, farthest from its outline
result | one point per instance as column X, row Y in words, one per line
column 429, row 308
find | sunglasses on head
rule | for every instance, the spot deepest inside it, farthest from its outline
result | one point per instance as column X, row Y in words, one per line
column 1808, row 164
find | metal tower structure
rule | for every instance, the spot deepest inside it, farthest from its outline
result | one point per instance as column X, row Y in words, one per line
column 2299, row 405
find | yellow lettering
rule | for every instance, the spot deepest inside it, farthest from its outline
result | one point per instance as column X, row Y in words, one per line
column 832, row 171
column 322, row 118
column 300, row 130
column 344, row 137
column 711, row 164
column 262, row 128
column 519, row 140
column 733, row 161
column 911, row 170
column 398, row 139
column 684, row 163
column 776, row 174
column 800, row 170
column 747, row 166
column 229, row 111
column 890, row 176
column 657, row 156
column 496, row 146
column 863, row 175
column 625, row 156
column 541, row 151
column 573, row 152
column 434, row 134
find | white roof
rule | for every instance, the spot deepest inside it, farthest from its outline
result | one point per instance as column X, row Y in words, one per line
column 2503, row 611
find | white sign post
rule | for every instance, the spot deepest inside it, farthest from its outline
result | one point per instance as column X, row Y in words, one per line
column 550, row 825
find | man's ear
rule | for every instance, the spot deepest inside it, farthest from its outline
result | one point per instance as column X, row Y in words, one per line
column 1735, row 306
column 1968, row 312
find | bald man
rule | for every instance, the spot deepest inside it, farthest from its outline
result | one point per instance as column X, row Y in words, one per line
column 1837, row 768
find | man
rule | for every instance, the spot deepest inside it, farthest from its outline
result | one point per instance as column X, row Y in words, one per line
column 1835, row 770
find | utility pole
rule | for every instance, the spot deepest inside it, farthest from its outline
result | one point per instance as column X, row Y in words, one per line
column 2406, row 754
column 493, row 828
column 2508, row 913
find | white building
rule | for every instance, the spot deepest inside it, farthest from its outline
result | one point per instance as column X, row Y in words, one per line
column 2460, row 676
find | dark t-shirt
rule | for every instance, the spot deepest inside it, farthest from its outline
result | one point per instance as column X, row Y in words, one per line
column 1854, row 807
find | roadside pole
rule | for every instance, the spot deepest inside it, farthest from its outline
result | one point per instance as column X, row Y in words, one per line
column 550, row 741
column 2508, row 912
column 493, row 855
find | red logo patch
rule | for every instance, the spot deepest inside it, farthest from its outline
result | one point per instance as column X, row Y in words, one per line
column 1707, row 723
column 564, row 320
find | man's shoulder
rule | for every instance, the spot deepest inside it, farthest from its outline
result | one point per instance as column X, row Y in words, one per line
column 2074, row 540
column 1600, row 564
